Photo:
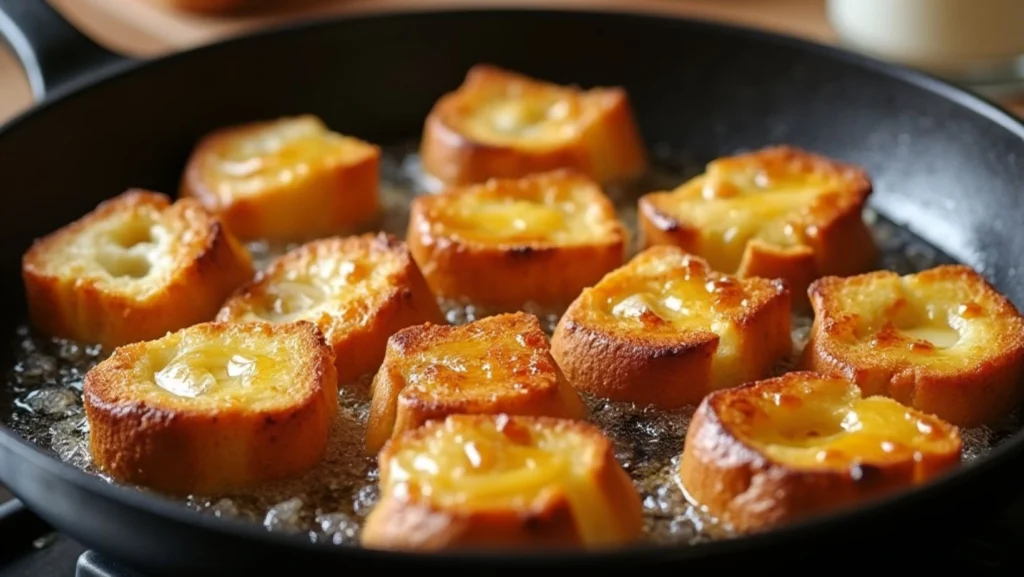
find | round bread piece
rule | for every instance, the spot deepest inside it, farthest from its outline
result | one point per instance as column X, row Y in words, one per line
column 498, row 364
column 133, row 269
column 475, row 482
column 800, row 445
column 539, row 239
column 943, row 341
column 287, row 179
column 502, row 124
column 665, row 330
column 778, row 212
column 357, row 290
column 213, row 408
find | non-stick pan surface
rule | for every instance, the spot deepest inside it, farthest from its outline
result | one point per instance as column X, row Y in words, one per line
column 946, row 164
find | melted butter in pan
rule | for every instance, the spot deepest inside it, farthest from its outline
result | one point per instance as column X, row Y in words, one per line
column 42, row 399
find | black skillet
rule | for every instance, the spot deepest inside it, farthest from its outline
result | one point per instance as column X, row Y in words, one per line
column 946, row 164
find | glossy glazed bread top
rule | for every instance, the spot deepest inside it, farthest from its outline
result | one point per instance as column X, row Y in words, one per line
column 776, row 212
column 942, row 340
column 213, row 408
column 483, row 482
column 784, row 449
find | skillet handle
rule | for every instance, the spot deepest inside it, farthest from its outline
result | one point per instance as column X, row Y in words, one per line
column 53, row 53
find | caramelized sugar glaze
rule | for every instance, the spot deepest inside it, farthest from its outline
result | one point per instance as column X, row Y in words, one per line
column 42, row 400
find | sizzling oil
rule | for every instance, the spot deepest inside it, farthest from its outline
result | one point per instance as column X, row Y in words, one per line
column 330, row 502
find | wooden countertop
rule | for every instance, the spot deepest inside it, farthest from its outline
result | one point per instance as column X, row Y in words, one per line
column 150, row 27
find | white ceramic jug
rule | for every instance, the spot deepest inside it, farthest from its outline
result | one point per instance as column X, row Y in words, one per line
column 976, row 42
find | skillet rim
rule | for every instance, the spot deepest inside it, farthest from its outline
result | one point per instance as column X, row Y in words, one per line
column 170, row 510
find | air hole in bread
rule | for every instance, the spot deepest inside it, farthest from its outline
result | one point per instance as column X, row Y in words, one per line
column 128, row 252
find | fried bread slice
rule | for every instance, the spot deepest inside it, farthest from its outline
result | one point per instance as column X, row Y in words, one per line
column 286, row 179
column 357, row 290
column 498, row 364
column 539, row 239
column 212, row 408
column 504, row 124
column 787, row 448
column 778, row 212
column 665, row 330
column 502, row 482
column 134, row 268
column 943, row 340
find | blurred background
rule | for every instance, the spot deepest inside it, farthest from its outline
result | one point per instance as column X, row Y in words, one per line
column 979, row 43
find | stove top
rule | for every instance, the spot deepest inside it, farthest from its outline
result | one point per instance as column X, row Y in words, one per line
column 29, row 549
column 55, row 555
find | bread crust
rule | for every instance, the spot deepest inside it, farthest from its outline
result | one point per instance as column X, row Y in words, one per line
column 134, row 268
column 647, row 354
column 288, row 179
column 358, row 290
column 865, row 329
column 223, row 437
column 498, row 364
column 735, row 467
column 482, row 130
column 469, row 248
column 597, row 507
column 789, row 236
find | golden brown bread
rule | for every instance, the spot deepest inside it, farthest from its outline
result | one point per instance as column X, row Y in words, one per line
column 943, row 340
column 665, row 330
column 213, row 408
column 778, row 212
column 503, row 124
column 286, row 179
column 784, row 449
column 133, row 269
column 473, row 482
column 357, row 290
column 498, row 364
column 507, row 242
